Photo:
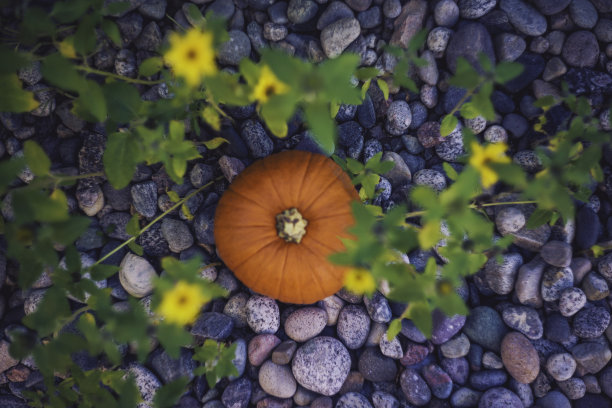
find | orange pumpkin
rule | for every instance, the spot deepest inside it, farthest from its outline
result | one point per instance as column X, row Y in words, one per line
column 278, row 222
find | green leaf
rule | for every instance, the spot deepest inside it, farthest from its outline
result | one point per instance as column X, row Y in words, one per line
column 169, row 394
column 384, row 87
column 215, row 143
column 505, row 71
column 451, row 173
column 150, row 66
column 122, row 101
column 394, row 328
column 13, row 97
column 36, row 23
column 137, row 249
column 485, row 62
column 172, row 338
column 212, row 118
column 115, row 7
column 482, row 101
column 194, row 15
column 133, row 226
column 101, row 272
column 322, row 125
column 545, row 102
column 420, row 314
column 12, row 60
column 174, row 197
column 85, row 38
column 354, row 166
column 366, row 73
column 91, row 104
column 469, row 111
column 429, row 234
column 36, row 158
column 60, row 72
column 364, row 89
column 465, row 75
column 120, row 158
column 111, row 30
column 539, row 217
column 69, row 10
column 448, row 125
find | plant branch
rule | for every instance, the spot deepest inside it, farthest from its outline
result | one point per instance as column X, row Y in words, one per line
column 121, row 77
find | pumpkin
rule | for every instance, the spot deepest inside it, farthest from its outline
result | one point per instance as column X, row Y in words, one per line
column 278, row 222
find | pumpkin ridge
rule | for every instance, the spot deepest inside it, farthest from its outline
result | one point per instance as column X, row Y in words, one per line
column 315, row 276
column 279, row 196
column 326, row 216
column 310, row 204
column 303, row 178
column 240, row 194
column 234, row 267
column 282, row 276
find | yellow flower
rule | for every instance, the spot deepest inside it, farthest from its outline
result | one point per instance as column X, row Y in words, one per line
column 191, row 56
column 181, row 305
column 359, row 281
column 483, row 156
column 268, row 85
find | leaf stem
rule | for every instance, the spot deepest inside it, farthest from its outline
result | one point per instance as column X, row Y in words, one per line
column 70, row 319
column 158, row 218
column 121, row 77
column 414, row 214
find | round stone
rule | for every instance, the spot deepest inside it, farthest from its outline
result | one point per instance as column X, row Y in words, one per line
column 574, row 388
column 414, row 387
column 353, row 400
column 305, row 323
column 438, row 380
column 473, row 9
column 591, row 323
column 353, row 326
column 136, row 275
column 438, row 38
column 451, row 148
column 591, row 356
column 501, row 277
column 177, row 234
column 555, row 281
column 321, row 365
column 260, row 347
column 465, row 398
column 301, row 11
column 398, row 117
column 457, row 347
column 263, row 315
column 581, row 49
column 524, row 319
column 524, row 17
column 595, row 286
column 446, row 13
column 509, row 220
column 499, row 397
column 378, row 307
column 561, row 366
column 374, row 366
column 235, row 49
column 571, row 301
column 277, row 380
column 430, row 178
column 520, row 357
column 484, row 326
column 337, row 36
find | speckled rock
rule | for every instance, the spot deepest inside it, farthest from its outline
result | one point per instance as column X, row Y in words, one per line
column 591, row 356
column 263, row 315
column 337, row 36
column 438, row 380
column 528, row 283
column 590, row 323
column 321, row 365
column 561, row 366
column 398, row 117
column 378, row 308
column 353, row 400
column 277, row 380
column 571, row 301
column 520, row 358
column 374, row 366
column 525, row 320
column 260, row 347
column 332, row 306
column 501, row 277
column 456, row 347
column 524, row 17
column 499, row 397
column 430, row 178
column 146, row 383
column 136, row 275
column 305, row 323
column 554, row 281
column 484, row 326
column 415, row 389
column 353, row 326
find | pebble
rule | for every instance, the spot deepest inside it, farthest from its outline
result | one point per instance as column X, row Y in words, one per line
column 524, row 17
column 561, row 366
column 415, row 353
column 604, row 266
column 591, row 356
column 237, row 47
column 177, row 234
column 509, row 46
column 484, row 326
column 409, row 22
column 370, row 18
column 125, row 63
column 554, row 399
column 557, row 253
column 146, row 382
column 212, row 325
column 491, row 361
column 469, row 41
column 574, row 388
column 353, row 400
column 399, row 117
column 332, row 306
column 501, row 277
column 571, row 301
column 415, row 389
column 499, row 397
column 583, row 13
column 465, row 398
column 446, row 13
column 451, row 148
column 353, row 326
column 337, row 36
column 277, row 380
column 257, row 140
column 581, row 49
column 374, row 366
column 430, row 178
column 445, row 327
column 6, row 360
column 382, row 399
column 603, row 30
column 457, row 368
column 520, row 357
column 336, row 10
column 550, row 7
column 473, row 9
column 509, row 219
column 525, row 320
column 400, row 174
column 590, row 323
column 321, row 365
column 437, row 40
column 144, row 198
column 301, row 11
column 263, row 315
column 456, row 347
column 237, row 394
column 391, row 348
column 595, row 287
column 283, row 353
column 485, row 379
column 438, row 380
column 136, row 275
column 155, row 9
column 260, row 347
column 305, row 323
column 554, row 281
column 170, row 369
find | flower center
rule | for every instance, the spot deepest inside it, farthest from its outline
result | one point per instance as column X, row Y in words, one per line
column 191, row 54
column 270, row 90
column 291, row 226
column 182, row 300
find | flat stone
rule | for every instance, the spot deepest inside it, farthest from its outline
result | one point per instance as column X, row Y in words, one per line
column 439, row 381
column 277, row 380
column 474, row 9
column 557, row 253
column 456, row 347
column 550, row 7
column 581, row 49
column 445, row 327
column 237, row 394
column 237, row 47
column 260, row 347
column 465, row 397
column 415, row 389
column 374, row 366
column 400, row 174
column 484, row 326
column 409, row 22
column 212, row 325
column 525, row 320
column 468, row 41
column 520, row 357
column 595, row 287
column 583, row 13
column 590, row 323
column 305, row 323
column 591, row 356
column 485, row 379
column 353, row 326
column 554, row 281
column 499, row 397
column 284, row 352
column 528, row 283
column 501, row 277
column 136, row 275
column 571, row 301
column 337, row 36
column 524, row 17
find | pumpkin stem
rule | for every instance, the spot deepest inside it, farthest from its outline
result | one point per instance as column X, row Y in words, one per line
column 291, row 226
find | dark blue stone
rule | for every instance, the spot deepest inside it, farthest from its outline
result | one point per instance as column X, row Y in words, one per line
column 533, row 66
column 483, row 380
column 502, row 102
column 588, row 228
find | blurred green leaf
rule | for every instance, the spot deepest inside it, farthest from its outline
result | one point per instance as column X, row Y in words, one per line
column 85, row 38
column 448, row 125
column 137, row 249
column 468, row 111
column 133, row 226
column 505, row 71
column 538, row 217
column 216, row 359
column 111, row 30
column 194, row 15
column 482, row 101
column 172, row 338
column 383, row 87
column 36, row 158
column 321, row 125
column 122, row 101
column 11, row 60
column 68, row 11
column 120, row 158
column 465, row 75
column 169, row 394
column 451, row 173
column 420, row 314
column 394, row 328
column 60, row 72
column 91, row 104
column 150, row 66
column 13, row 97
column 101, row 272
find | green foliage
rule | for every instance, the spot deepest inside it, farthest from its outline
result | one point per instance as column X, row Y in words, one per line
column 366, row 176
column 216, row 359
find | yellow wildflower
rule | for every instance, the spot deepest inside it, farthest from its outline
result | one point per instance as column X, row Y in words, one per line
column 268, row 85
column 483, row 156
column 359, row 281
column 181, row 305
column 191, row 56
